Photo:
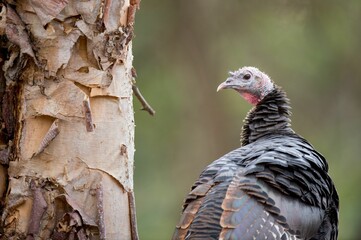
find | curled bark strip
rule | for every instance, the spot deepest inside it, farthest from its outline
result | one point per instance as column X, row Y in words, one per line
column 131, row 15
column 100, row 208
column 16, row 32
column 132, row 216
column 133, row 71
column 112, row 14
column 49, row 136
column 9, row 110
column 88, row 116
column 37, row 211
column 106, row 10
column 48, row 10
column 123, row 150
column 135, row 3
column 145, row 104
column 133, row 7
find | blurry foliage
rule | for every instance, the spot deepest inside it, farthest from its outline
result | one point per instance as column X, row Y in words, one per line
column 184, row 49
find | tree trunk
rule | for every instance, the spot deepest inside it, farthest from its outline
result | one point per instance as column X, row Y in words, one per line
column 67, row 135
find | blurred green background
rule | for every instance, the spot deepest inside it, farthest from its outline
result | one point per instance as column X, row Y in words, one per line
column 184, row 49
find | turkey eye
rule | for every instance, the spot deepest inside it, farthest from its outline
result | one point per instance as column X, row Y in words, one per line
column 247, row 76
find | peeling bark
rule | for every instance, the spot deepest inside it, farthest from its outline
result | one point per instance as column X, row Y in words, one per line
column 37, row 211
column 88, row 116
column 67, row 124
column 133, row 220
column 100, row 208
column 49, row 136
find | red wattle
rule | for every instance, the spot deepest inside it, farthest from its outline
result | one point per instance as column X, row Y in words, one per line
column 252, row 99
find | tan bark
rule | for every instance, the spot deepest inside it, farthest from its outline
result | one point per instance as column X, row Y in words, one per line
column 70, row 145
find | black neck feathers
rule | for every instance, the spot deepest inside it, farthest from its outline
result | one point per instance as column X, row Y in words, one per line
column 270, row 115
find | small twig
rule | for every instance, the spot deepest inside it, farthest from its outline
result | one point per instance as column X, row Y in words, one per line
column 100, row 208
column 136, row 91
column 145, row 104
column 133, row 219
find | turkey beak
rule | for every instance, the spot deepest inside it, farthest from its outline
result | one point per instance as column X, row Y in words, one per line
column 229, row 83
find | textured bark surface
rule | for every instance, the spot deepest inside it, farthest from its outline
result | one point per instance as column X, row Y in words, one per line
column 67, row 135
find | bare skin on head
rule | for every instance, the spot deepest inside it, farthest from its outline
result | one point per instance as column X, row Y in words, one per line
column 250, row 82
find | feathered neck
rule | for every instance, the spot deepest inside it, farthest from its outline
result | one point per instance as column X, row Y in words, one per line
column 270, row 115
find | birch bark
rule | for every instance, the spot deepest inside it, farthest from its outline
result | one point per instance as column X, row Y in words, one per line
column 67, row 137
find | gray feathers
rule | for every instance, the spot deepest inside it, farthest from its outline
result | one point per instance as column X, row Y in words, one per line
column 270, row 115
column 275, row 186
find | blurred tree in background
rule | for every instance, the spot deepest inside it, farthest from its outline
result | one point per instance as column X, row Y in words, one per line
column 184, row 49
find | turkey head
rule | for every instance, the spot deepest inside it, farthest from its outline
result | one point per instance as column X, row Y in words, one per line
column 250, row 82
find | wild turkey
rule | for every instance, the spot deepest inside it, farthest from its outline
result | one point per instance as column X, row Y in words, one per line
column 275, row 186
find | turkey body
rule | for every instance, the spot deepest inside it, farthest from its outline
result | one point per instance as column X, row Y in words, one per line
column 275, row 186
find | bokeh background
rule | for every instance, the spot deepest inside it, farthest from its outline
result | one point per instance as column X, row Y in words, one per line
column 184, row 49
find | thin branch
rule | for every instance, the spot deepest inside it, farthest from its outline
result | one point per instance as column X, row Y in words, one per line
column 145, row 104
